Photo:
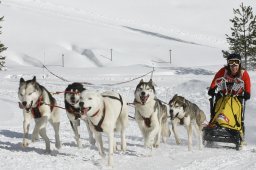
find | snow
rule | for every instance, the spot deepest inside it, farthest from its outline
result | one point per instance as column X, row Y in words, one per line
column 141, row 33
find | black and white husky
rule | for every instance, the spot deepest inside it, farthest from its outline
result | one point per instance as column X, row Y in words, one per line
column 72, row 99
column 150, row 114
column 38, row 103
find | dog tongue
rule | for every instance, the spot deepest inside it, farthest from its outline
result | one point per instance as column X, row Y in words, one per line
column 85, row 110
column 144, row 99
column 84, row 113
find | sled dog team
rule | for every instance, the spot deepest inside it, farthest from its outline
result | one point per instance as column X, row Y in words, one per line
column 107, row 112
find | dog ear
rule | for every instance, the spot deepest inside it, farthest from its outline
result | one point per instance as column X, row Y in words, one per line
column 170, row 102
column 22, row 80
column 151, row 82
column 141, row 81
column 34, row 79
column 172, row 99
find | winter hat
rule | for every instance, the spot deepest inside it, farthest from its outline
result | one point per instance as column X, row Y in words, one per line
column 234, row 56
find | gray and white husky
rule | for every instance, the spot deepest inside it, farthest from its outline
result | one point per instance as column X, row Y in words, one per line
column 150, row 114
column 187, row 113
column 39, row 104
column 72, row 99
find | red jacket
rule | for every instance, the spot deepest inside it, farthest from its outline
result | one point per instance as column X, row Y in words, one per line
column 223, row 73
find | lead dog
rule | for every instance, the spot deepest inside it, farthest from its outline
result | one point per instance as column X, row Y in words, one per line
column 38, row 103
column 72, row 99
column 184, row 111
column 106, row 112
column 150, row 114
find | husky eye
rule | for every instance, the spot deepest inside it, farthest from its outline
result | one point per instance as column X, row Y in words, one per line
column 21, row 94
column 31, row 92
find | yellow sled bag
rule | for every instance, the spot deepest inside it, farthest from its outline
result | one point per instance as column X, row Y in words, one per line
column 228, row 113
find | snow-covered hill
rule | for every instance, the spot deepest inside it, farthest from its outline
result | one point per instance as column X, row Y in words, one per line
column 45, row 30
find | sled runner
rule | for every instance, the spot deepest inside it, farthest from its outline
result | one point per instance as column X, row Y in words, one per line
column 227, row 107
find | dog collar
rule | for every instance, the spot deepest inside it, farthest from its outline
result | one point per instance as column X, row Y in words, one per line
column 136, row 102
column 71, row 109
column 98, row 127
column 95, row 113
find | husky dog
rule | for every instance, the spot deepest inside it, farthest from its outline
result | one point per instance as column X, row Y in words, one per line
column 72, row 99
column 38, row 103
column 107, row 112
column 187, row 113
column 150, row 114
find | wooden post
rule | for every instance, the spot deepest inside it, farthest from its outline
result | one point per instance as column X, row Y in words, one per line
column 62, row 60
column 111, row 51
column 170, row 56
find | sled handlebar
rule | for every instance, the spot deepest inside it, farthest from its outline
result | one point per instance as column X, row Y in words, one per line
column 234, row 87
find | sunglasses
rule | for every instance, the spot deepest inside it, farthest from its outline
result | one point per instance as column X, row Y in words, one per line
column 234, row 62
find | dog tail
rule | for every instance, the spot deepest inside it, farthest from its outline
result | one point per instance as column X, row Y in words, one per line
column 202, row 116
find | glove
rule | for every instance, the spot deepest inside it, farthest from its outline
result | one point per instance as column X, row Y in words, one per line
column 247, row 95
column 211, row 92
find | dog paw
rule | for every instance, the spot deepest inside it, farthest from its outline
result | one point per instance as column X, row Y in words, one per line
column 156, row 145
column 124, row 147
column 92, row 141
column 25, row 143
column 47, row 151
column 103, row 155
column 178, row 142
column 79, row 145
column 189, row 148
column 58, row 145
column 148, row 145
column 34, row 137
column 110, row 161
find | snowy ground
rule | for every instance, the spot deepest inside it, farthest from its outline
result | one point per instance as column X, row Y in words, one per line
column 167, row 156
column 141, row 33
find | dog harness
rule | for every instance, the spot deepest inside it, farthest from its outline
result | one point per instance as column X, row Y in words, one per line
column 147, row 120
column 98, row 126
column 71, row 109
column 176, row 116
column 35, row 110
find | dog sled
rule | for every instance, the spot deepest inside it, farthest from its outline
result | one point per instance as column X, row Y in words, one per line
column 227, row 107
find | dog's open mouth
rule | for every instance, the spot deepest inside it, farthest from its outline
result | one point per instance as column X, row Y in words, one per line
column 21, row 106
column 84, row 110
column 144, row 99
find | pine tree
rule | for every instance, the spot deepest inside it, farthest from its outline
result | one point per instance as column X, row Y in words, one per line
column 243, row 35
column 2, row 48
